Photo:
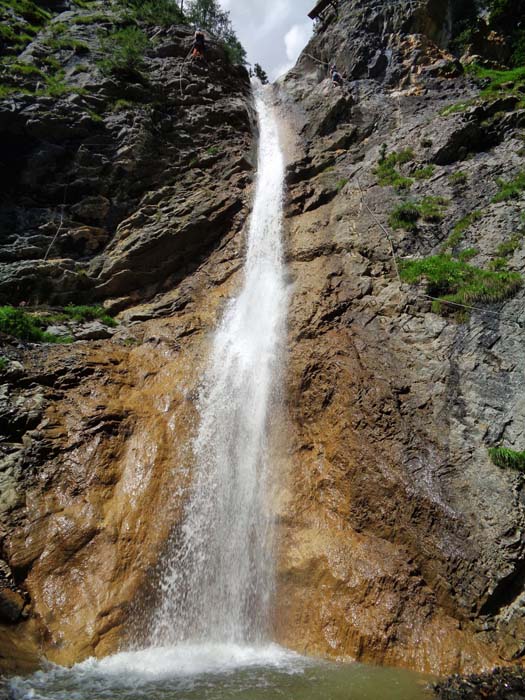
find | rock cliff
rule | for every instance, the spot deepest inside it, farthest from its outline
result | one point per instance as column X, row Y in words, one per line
column 400, row 541
column 127, row 187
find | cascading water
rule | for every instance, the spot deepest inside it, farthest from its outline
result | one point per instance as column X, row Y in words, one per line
column 219, row 571
column 207, row 633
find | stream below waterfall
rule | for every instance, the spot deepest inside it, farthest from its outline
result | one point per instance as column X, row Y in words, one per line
column 209, row 638
column 219, row 672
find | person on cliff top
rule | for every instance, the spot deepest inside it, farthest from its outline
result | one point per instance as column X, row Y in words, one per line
column 199, row 46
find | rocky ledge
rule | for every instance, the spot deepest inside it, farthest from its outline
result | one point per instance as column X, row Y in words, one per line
column 499, row 684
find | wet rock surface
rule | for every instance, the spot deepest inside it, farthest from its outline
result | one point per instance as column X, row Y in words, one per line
column 131, row 191
column 400, row 542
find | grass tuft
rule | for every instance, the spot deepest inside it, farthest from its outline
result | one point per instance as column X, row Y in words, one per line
column 89, row 313
column 425, row 173
column 459, row 229
column 124, row 51
column 386, row 170
column 457, row 282
column 405, row 216
column 510, row 189
column 507, row 459
column 458, row 178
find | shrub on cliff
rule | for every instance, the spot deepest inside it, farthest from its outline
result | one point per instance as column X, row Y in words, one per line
column 123, row 51
column 155, row 12
column 508, row 459
column 20, row 324
column 457, row 282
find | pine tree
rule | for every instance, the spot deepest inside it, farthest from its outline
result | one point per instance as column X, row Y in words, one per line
column 260, row 73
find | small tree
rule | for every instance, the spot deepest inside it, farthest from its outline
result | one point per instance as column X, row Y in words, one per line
column 260, row 73
column 208, row 15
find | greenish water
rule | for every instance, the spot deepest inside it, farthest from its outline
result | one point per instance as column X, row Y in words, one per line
column 218, row 672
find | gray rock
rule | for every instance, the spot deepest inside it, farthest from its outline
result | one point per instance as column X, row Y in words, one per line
column 93, row 331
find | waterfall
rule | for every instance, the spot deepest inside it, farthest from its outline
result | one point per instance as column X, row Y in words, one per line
column 218, row 574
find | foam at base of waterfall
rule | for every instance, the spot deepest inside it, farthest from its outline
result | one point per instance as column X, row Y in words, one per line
column 191, row 659
column 133, row 669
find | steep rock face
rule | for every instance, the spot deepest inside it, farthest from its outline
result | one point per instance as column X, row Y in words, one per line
column 401, row 541
column 131, row 190
column 97, row 181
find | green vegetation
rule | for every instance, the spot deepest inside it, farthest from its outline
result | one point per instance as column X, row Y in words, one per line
column 508, row 248
column 5, row 91
column 27, row 9
column 501, row 16
column 89, row 313
column 120, row 105
column 209, row 15
column 507, row 459
column 31, row 327
column 432, row 209
column 14, row 36
column 424, row 173
column 81, row 314
column 498, row 264
column 426, row 143
column 510, row 189
column 79, row 47
column 456, row 108
column 407, row 214
column 57, row 28
column 341, row 183
column 459, row 283
column 459, row 229
column 468, row 254
column 22, row 69
column 3, row 363
column 23, row 325
column 213, row 151
column 124, row 51
column 458, row 178
column 499, row 83
column 55, row 86
column 467, row 221
column 386, row 170
column 161, row 13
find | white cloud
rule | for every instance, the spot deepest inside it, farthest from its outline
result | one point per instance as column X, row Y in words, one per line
column 296, row 39
column 273, row 32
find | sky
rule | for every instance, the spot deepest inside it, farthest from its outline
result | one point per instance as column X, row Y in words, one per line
column 273, row 32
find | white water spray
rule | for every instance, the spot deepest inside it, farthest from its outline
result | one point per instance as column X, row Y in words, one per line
column 218, row 582
column 219, row 572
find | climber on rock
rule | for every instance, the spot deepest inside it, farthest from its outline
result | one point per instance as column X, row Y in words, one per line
column 337, row 78
column 199, row 46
